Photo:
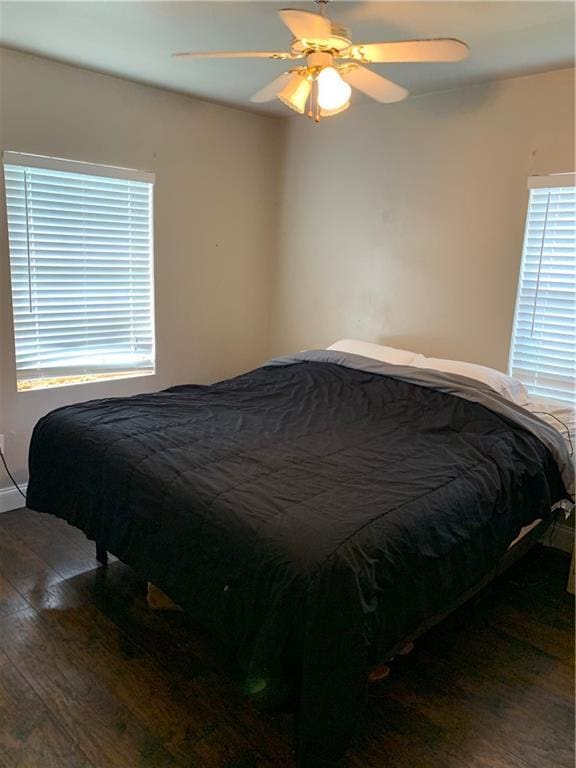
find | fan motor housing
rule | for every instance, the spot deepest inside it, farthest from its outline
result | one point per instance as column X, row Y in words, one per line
column 338, row 42
column 320, row 59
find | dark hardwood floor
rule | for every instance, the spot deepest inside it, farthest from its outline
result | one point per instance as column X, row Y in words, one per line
column 91, row 678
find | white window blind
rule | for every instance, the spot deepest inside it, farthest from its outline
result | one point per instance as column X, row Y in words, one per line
column 81, row 262
column 543, row 350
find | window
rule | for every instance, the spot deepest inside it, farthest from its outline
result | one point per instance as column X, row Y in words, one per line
column 543, row 350
column 81, row 265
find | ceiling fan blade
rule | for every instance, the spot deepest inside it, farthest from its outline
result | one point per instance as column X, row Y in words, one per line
column 234, row 55
column 373, row 85
column 307, row 25
column 270, row 91
column 441, row 49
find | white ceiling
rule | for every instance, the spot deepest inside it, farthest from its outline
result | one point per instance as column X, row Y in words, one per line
column 135, row 39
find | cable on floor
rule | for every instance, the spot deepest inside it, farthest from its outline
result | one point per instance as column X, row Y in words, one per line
column 20, row 491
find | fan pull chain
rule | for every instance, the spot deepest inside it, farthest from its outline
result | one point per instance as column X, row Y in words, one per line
column 310, row 112
column 313, row 106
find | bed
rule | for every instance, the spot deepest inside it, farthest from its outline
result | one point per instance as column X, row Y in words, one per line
column 311, row 515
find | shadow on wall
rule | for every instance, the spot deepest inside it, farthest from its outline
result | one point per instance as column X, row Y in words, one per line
column 465, row 100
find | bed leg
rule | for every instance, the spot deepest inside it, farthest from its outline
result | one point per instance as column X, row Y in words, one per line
column 101, row 554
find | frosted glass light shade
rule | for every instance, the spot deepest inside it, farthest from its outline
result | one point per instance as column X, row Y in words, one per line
column 333, row 92
column 331, row 112
column 296, row 92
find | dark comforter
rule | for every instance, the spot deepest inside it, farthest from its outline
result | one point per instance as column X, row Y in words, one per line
column 309, row 514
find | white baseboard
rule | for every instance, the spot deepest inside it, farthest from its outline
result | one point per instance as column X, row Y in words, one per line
column 11, row 499
column 559, row 536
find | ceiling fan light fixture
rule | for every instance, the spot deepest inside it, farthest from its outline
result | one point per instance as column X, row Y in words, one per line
column 335, row 64
column 296, row 92
column 333, row 91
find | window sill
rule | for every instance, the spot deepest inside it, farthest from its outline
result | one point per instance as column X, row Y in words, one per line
column 30, row 385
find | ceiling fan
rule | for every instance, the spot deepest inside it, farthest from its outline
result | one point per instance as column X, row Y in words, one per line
column 334, row 64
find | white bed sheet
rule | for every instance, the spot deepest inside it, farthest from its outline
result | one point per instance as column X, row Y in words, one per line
column 561, row 416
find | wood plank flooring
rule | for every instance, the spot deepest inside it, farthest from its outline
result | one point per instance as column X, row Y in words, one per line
column 91, row 678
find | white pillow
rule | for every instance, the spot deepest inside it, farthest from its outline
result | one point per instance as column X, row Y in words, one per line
column 375, row 351
column 510, row 388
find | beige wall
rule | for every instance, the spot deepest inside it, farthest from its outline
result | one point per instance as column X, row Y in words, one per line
column 216, row 174
column 399, row 224
column 404, row 223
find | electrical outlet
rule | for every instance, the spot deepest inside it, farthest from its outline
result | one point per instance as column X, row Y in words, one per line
column 2, row 444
